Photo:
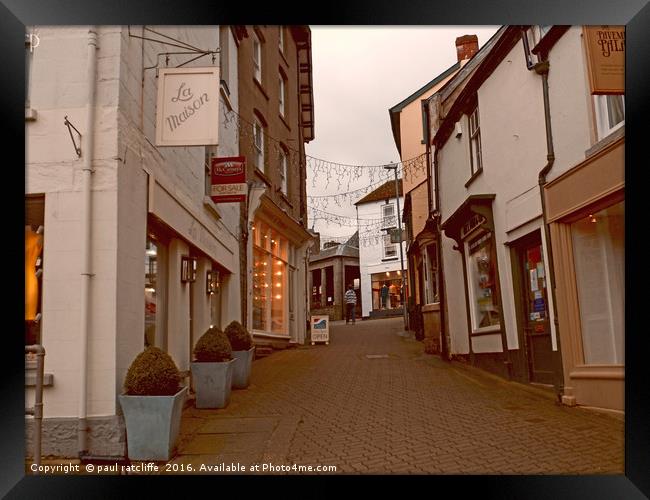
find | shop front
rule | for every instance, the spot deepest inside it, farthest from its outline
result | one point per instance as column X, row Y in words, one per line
column 386, row 288
column 277, row 276
column 586, row 211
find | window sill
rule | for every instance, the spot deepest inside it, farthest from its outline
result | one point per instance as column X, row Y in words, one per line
column 30, row 115
column 390, row 259
column 283, row 197
column 284, row 58
column 207, row 201
column 283, row 120
column 606, row 141
column 259, row 86
column 488, row 330
column 473, row 177
column 263, row 176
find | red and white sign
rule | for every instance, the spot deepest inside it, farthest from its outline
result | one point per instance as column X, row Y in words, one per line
column 228, row 179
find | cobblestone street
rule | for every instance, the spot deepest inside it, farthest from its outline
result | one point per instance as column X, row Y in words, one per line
column 397, row 411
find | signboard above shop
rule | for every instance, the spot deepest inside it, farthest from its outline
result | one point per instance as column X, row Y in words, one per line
column 228, row 179
column 605, row 46
column 188, row 107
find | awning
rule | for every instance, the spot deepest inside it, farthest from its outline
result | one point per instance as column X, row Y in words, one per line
column 476, row 211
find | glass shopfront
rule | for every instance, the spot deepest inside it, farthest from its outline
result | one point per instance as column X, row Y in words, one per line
column 599, row 258
column 482, row 277
column 270, row 286
column 386, row 288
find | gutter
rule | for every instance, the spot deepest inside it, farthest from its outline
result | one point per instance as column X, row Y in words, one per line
column 542, row 69
column 86, row 273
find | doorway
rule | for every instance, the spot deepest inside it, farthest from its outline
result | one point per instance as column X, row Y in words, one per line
column 531, row 297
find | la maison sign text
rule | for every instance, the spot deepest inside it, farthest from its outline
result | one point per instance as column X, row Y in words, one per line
column 605, row 46
column 188, row 107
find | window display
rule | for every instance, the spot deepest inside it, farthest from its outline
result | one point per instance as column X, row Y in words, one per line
column 269, row 280
column 599, row 257
column 482, row 282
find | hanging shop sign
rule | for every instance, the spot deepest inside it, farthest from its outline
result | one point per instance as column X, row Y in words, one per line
column 188, row 107
column 228, row 179
column 605, row 46
column 320, row 329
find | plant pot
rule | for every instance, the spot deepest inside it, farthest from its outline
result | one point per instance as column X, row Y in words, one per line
column 242, row 372
column 152, row 424
column 212, row 383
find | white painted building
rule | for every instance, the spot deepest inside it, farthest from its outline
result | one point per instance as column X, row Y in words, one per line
column 379, row 259
column 147, row 208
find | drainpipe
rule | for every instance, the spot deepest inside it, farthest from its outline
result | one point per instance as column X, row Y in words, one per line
column 86, row 274
column 542, row 69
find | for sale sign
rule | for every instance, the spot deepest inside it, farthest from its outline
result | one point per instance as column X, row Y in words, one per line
column 228, row 179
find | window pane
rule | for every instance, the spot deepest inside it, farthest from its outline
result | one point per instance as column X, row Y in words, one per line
column 482, row 276
column 599, row 258
column 150, row 292
column 261, row 285
column 278, row 297
column 615, row 110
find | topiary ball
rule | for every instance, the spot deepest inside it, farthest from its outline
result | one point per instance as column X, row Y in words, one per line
column 213, row 346
column 152, row 373
column 239, row 337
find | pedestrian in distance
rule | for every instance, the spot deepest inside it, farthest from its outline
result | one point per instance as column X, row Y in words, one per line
column 384, row 295
column 350, row 304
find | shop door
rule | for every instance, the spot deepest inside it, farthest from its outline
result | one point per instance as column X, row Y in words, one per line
column 535, row 321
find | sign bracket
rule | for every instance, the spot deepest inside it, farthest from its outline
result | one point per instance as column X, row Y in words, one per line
column 76, row 148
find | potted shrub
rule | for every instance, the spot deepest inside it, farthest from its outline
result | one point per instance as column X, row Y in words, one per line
column 152, row 404
column 212, row 369
column 243, row 351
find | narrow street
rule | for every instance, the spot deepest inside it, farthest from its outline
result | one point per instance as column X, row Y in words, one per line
column 372, row 402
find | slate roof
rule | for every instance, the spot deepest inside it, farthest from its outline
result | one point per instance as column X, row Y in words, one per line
column 384, row 192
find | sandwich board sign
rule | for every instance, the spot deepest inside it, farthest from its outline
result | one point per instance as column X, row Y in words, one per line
column 320, row 329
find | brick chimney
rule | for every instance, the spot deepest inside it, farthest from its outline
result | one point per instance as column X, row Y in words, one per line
column 466, row 46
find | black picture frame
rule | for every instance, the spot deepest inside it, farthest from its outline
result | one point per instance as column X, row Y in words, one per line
column 635, row 14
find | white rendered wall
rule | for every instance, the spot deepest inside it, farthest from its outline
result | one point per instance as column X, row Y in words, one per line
column 371, row 253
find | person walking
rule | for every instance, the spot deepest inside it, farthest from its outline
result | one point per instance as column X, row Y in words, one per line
column 350, row 304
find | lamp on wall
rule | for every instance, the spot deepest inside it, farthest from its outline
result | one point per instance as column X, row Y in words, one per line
column 212, row 281
column 188, row 269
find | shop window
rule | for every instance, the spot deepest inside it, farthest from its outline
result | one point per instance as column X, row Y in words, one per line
column 34, row 242
column 329, row 285
column 154, row 292
column 599, row 259
column 610, row 113
column 482, row 276
column 269, row 280
column 476, row 162
column 431, row 275
column 386, row 290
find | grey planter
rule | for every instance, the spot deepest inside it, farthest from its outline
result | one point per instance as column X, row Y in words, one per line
column 152, row 424
column 242, row 372
column 212, row 383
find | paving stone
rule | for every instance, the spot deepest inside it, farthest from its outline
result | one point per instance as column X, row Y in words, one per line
column 408, row 413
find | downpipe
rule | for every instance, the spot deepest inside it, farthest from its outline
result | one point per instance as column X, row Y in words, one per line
column 542, row 68
column 86, row 273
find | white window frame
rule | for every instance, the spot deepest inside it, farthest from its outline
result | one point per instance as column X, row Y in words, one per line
column 475, row 138
column 258, row 143
column 283, row 172
column 470, row 286
column 257, row 58
column 281, row 87
column 388, row 246
column 388, row 221
column 601, row 109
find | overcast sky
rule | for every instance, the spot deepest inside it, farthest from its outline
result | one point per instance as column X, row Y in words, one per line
column 358, row 74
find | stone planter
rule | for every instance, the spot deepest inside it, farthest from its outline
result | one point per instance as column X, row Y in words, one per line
column 152, row 424
column 212, row 383
column 242, row 371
